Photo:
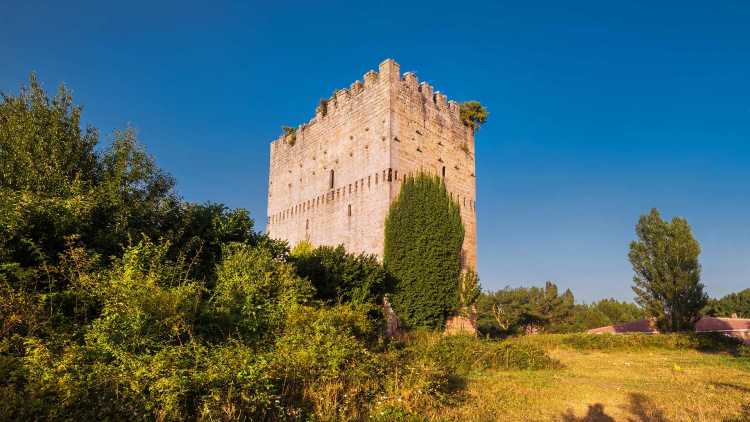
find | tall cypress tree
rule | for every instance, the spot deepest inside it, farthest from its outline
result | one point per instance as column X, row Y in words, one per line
column 423, row 238
column 667, row 272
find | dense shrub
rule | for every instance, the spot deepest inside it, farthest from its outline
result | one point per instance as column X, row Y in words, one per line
column 325, row 362
column 253, row 293
column 708, row 342
column 339, row 276
column 423, row 239
column 464, row 354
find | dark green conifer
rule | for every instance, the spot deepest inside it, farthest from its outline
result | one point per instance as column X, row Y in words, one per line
column 423, row 238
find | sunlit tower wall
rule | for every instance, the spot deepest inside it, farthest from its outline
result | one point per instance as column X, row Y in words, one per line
column 333, row 181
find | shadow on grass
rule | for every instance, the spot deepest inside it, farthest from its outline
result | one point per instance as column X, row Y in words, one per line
column 744, row 415
column 732, row 386
column 456, row 386
column 639, row 406
column 594, row 414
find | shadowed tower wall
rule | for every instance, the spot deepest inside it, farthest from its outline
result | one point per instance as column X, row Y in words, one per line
column 335, row 182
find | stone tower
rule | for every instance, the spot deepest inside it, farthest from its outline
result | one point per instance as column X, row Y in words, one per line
column 333, row 181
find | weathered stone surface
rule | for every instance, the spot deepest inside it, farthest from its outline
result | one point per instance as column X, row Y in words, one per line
column 392, row 323
column 463, row 323
column 336, row 183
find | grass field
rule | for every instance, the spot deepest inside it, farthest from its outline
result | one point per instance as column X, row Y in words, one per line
column 648, row 385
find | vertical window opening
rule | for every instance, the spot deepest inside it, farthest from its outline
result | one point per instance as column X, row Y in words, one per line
column 350, row 210
column 330, row 182
column 443, row 172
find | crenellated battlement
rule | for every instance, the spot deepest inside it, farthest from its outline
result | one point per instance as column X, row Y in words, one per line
column 389, row 78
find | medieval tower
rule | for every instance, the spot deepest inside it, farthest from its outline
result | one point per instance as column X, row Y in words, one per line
column 333, row 179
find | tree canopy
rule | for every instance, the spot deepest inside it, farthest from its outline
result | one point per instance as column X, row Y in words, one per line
column 473, row 114
column 734, row 303
column 524, row 309
column 667, row 272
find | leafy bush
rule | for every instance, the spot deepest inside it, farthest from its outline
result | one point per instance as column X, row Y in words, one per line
column 707, row 342
column 339, row 276
column 473, row 114
column 464, row 354
column 253, row 293
column 324, row 360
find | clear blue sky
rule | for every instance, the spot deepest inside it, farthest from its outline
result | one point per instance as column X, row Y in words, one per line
column 599, row 111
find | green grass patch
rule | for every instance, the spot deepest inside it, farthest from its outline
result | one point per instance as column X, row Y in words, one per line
column 704, row 342
column 464, row 354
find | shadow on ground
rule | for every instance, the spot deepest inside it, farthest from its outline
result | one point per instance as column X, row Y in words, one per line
column 732, row 386
column 744, row 416
column 641, row 409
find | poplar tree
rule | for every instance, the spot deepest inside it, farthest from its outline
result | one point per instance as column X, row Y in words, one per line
column 667, row 271
column 423, row 238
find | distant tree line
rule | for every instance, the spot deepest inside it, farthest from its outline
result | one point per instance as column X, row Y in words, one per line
column 530, row 310
column 731, row 304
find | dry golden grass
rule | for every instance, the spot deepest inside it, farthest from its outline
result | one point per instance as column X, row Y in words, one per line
column 649, row 385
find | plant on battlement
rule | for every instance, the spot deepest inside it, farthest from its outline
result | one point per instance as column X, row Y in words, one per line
column 290, row 134
column 473, row 114
column 423, row 238
column 322, row 107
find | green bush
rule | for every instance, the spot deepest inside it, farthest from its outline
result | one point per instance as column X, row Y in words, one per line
column 464, row 354
column 423, row 239
column 339, row 276
column 707, row 342
column 325, row 363
column 253, row 293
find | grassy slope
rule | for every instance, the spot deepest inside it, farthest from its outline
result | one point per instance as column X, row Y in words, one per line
column 648, row 385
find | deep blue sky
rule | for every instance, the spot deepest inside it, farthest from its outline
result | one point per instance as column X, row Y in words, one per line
column 598, row 111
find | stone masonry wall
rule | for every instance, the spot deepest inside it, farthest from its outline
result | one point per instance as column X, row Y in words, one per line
column 371, row 135
column 428, row 135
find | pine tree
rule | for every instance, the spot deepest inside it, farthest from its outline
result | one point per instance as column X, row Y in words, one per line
column 423, row 238
column 667, row 272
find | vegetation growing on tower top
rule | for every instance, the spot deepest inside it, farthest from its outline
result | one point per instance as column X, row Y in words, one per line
column 290, row 134
column 473, row 114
